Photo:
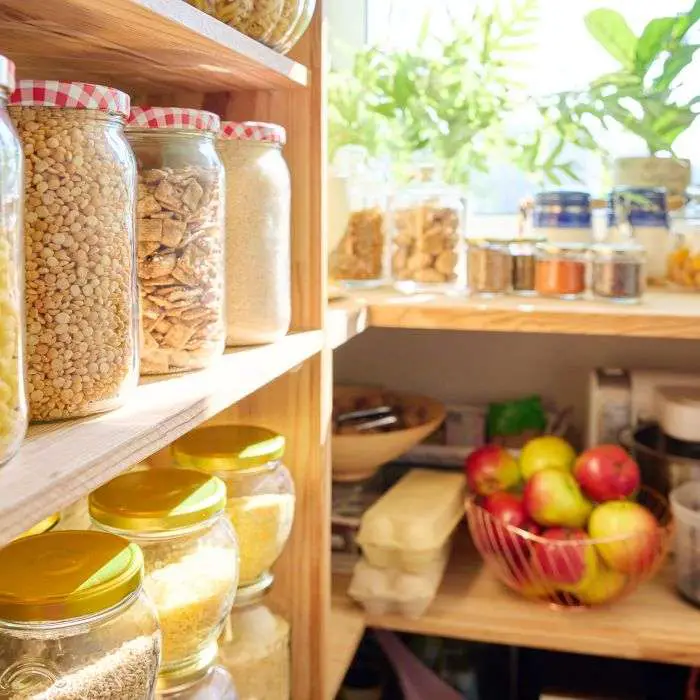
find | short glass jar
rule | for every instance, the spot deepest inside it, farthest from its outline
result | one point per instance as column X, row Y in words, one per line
column 260, row 489
column 561, row 270
column 255, row 647
column 81, row 298
column 216, row 684
column 258, row 233
column 523, row 252
column 13, row 398
column 489, row 267
column 190, row 556
column 75, row 621
column 561, row 216
column 618, row 272
column 180, row 229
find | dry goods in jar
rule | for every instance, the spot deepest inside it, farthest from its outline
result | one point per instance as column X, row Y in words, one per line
column 488, row 267
column 256, row 18
column 618, row 273
column 360, row 253
column 683, row 268
column 80, row 292
column 291, row 12
column 561, row 270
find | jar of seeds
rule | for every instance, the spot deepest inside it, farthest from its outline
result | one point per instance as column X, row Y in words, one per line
column 523, row 253
column 81, row 302
column 180, row 229
column 618, row 272
column 489, row 267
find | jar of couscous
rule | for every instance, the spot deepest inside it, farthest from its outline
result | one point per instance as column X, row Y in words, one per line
column 260, row 489
column 75, row 622
column 190, row 553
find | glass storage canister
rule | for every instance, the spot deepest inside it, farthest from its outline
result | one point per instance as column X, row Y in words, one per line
column 254, row 18
column 427, row 227
column 280, row 38
column 75, row 622
column 489, row 267
column 523, row 252
column 254, row 647
column 683, row 260
column 561, row 270
column 258, row 238
column 190, row 558
column 562, row 216
column 180, row 232
column 13, row 398
column 260, row 489
column 217, row 684
column 81, row 302
column 617, row 272
column 306, row 14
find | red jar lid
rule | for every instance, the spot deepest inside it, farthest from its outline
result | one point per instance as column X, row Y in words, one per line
column 253, row 131
column 54, row 93
column 172, row 118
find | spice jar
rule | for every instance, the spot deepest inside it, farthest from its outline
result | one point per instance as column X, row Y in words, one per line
column 260, row 489
column 428, row 234
column 617, row 272
column 190, row 554
column 561, row 270
column 523, row 252
column 180, row 229
column 216, row 684
column 74, row 619
column 81, row 302
column 489, row 266
column 258, row 263
column 255, row 18
column 255, row 647
column 13, row 400
column 561, row 216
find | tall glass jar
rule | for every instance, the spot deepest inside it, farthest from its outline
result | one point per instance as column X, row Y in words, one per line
column 258, row 237
column 292, row 13
column 260, row 489
column 427, row 225
column 74, row 619
column 81, row 303
column 13, row 399
column 180, row 229
column 190, row 553
column 255, row 18
column 216, row 684
column 305, row 17
column 562, row 216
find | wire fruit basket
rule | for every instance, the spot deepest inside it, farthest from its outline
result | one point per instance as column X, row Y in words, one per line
column 572, row 573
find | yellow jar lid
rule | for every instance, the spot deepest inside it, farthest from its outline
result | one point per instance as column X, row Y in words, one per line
column 59, row 576
column 42, row 526
column 223, row 448
column 157, row 500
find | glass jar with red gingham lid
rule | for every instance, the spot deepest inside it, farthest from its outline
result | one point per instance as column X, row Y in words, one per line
column 258, row 263
column 80, row 293
column 180, row 230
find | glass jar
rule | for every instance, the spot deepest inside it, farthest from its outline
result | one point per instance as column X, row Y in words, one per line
column 523, row 252
column 617, row 272
column 427, row 221
column 255, row 648
column 308, row 7
column 180, row 229
column 81, row 300
column 190, row 554
column 74, row 619
column 489, row 267
column 216, row 684
column 561, row 216
column 258, row 204
column 642, row 215
column 255, row 18
column 284, row 29
column 561, row 270
column 683, row 261
column 260, row 489
column 13, row 399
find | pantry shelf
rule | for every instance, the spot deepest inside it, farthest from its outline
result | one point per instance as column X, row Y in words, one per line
column 347, row 626
column 138, row 45
column 60, row 462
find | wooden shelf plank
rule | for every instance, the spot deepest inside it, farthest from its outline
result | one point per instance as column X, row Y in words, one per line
column 138, row 45
column 347, row 625
column 60, row 462
column 345, row 319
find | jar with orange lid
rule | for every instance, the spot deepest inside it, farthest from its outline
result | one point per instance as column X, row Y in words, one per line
column 190, row 554
column 75, row 621
column 260, row 489
column 561, row 270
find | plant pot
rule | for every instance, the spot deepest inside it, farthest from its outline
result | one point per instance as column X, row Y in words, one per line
column 651, row 171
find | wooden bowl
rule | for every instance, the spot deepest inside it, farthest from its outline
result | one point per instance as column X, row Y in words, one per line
column 358, row 457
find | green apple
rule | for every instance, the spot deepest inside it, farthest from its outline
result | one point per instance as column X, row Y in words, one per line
column 601, row 588
column 553, row 498
column 546, row 452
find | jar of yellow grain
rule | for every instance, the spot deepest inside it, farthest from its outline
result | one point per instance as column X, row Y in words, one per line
column 683, row 260
column 260, row 489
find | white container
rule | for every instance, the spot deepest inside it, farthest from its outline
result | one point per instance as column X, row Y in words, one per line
column 563, row 217
column 679, row 412
column 685, row 504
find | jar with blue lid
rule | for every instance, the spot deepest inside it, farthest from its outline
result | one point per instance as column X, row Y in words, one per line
column 563, row 216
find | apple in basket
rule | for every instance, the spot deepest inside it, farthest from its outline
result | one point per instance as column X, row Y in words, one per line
column 553, row 498
column 607, row 473
column 491, row 468
column 604, row 586
column 546, row 452
column 564, row 558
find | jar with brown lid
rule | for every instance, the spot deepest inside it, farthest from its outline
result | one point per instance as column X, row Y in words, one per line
column 81, row 302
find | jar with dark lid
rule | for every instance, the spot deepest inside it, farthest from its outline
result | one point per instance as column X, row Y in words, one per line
column 561, row 270
column 489, row 269
column 562, row 216
column 618, row 272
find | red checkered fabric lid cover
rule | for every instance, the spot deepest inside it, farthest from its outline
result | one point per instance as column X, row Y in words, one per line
column 55, row 93
column 253, row 131
column 172, row 118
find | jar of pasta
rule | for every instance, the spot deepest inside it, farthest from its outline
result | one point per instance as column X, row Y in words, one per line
column 561, row 270
column 190, row 554
column 81, row 302
column 75, row 621
column 180, row 229
column 260, row 490
column 255, row 18
column 306, row 14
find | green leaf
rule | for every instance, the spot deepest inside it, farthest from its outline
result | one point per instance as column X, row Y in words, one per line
column 686, row 21
column 619, row 79
column 610, row 29
column 674, row 65
column 655, row 39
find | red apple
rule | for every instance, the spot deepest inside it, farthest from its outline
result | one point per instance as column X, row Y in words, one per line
column 506, row 508
column 564, row 560
column 491, row 468
column 607, row 473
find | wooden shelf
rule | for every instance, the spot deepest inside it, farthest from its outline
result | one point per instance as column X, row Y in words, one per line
column 347, row 625
column 59, row 462
column 138, row 45
column 662, row 315
column 345, row 319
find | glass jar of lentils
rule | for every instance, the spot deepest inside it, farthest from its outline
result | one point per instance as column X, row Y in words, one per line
column 81, row 302
column 180, row 229
column 618, row 272
column 489, row 269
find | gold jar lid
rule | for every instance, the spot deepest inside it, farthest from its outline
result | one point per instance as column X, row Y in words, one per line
column 60, row 576
column 157, row 500
column 226, row 448
column 42, row 526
